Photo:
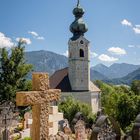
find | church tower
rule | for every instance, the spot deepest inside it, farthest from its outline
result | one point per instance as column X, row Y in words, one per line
column 79, row 68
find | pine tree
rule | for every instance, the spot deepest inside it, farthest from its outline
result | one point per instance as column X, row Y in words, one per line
column 13, row 71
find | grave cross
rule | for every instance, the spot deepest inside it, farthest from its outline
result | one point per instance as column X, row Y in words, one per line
column 39, row 99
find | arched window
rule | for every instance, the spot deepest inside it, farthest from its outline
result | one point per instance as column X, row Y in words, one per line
column 81, row 53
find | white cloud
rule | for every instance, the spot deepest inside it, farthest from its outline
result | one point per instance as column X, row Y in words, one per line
column 40, row 38
column 66, row 53
column 33, row 33
column 131, row 46
column 24, row 40
column 138, row 26
column 93, row 54
column 36, row 35
column 136, row 30
column 125, row 22
column 106, row 58
column 117, row 50
column 5, row 41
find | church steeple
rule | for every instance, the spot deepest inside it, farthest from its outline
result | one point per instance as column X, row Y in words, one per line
column 78, row 27
column 79, row 70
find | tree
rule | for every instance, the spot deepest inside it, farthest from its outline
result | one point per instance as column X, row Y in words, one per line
column 126, row 110
column 13, row 71
column 135, row 87
column 120, row 102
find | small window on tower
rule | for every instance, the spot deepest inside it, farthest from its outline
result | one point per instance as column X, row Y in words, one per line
column 81, row 53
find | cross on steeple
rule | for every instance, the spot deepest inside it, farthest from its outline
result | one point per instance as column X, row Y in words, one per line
column 78, row 3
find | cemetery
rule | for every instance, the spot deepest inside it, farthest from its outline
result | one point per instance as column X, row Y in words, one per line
column 65, row 105
column 44, row 122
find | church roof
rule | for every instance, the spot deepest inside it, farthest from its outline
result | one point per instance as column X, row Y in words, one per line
column 60, row 80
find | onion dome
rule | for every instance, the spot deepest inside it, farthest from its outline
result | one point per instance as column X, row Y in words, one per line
column 78, row 27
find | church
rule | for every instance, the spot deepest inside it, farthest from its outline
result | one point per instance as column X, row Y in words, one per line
column 75, row 79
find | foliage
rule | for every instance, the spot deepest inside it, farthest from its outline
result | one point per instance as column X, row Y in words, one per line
column 126, row 110
column 27, row 138
column 120, row 102
column 13, row 71
column 71, row 106
column 17, row 137
column 135, row 86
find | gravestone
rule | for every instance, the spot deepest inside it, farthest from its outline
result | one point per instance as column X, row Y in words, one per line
column 54, row 118
column 78, row 116
column 105, row 128
column 80, row 131
column 136, row 129
column 40, row 100
column 27, row 120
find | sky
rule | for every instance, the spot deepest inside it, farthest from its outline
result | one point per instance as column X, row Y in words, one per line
column 114, row 27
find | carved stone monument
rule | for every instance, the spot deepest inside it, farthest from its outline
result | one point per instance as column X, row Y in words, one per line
column 27, row 120
column 80, row 131
column 39, row 99
column 54, row 118
column 105, row 129
column 136, row 129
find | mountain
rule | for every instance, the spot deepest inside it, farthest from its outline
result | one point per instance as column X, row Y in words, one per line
column 116, row 70
column 45, row 61
column 103, row 70
column 135, row 75
column 95, row 75
column 123, row 69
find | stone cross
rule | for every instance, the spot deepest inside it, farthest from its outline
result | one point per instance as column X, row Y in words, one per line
column 39, row 99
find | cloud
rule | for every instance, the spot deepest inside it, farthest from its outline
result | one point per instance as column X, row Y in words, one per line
column 117, row 51
column 138, row 26
column 125, row 22
column 136, row 30
column 93, row 54
column 131, row 46
column 66, row 53
column 5, row 41
column 33, row 33
column 36, row 35
column 106, row 58
column 24, row 40
column 40, row 38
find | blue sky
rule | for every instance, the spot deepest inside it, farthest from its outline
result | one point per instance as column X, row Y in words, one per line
column 114, row 27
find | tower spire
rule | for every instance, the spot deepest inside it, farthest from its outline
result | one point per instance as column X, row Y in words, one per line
column 78, row 3
column 78, row 27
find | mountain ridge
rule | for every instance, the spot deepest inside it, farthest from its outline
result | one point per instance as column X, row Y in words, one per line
column 47, row 61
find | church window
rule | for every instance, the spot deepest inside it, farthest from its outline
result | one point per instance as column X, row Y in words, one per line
column 81, row 53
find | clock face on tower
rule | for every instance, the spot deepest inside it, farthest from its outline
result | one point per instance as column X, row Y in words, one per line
column 82, row 42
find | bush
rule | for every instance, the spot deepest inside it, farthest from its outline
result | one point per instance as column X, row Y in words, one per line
column 71, row 106
column 27, row 138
